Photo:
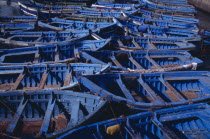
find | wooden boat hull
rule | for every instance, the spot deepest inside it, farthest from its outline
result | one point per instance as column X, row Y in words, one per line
column 21, row 19
column 17, row 39
column 45, row 114
column 143, row 91
column 143, row 61
column 169, row 24
column 31, row 11
column 103, row 14
column 153, row 31
column 53, row 76
column 87, row 18
column 41, row 3
column 158, row 16
column 182, row 8
column 64, row 52
column 70, row 25
column 190, row 121
column 149, row 5
column 142, row 43
column 13, row 27
column 116, row 6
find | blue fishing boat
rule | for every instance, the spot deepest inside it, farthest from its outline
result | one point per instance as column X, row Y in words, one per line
column 49, row 53
column 62, row 1
column 135, row 19
column 207, row 41
column 45, row 114
column 142, row 43
column 11, row 27
column 154, row 11
column 87, row 18
column 206, row 36
column 184, row 122
column 102, row 5
column 16, row 39
column 143, row 61
column 169, row 24
column 54, row 3
column 161, row 16
column 103, row 13
column 140, row 12
column 169, row 7
column 184, row 2
column 206, row 33
column 51, row 76
column 70, row 25
column 21, row 19
column 143, row 91
column 149, row 5
column 154, row 31
column 45, row 12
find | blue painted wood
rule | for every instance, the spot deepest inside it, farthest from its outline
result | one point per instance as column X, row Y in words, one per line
column 53, row 76
column 184, row 122
column 17, row 117
column 44, row 11
column 149, row 4
column 161, row 16
column 153, row 14
column 75, row 112
column 116, row 6
column 139, row 59
column 61, row 2
column 207, row 41
column 48, row 115
column 12, row 27
column 41, row 3
column 40, row 110
column 162, row 23
column 124, row 89
column 150, row 89
column 142, row 43
column 172, row 89
column 70, row 25
column 153, row 31
column 47, row 53
column 87, row 18
column 103, row 14
column 169, row 7
column 206, row 32
column 175, row 10
column 7, row 19
column 171, row 2
column 42, row 38
column 206, row 36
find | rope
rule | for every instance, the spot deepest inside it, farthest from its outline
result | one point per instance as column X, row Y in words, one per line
column 9, row 136
column 193, row 66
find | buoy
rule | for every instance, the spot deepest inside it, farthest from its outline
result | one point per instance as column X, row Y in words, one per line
column 111, row 130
